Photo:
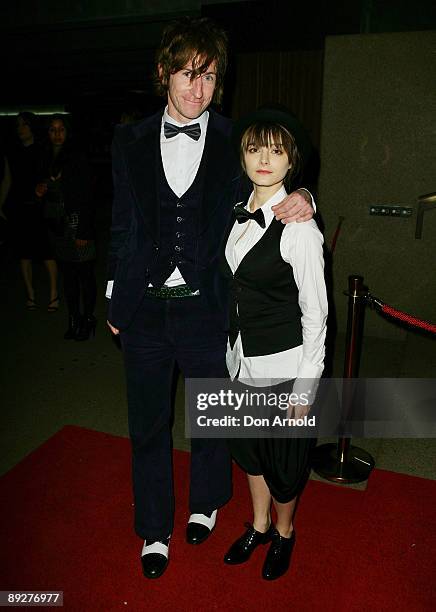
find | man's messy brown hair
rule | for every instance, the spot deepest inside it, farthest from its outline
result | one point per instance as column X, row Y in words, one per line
column 199, row 39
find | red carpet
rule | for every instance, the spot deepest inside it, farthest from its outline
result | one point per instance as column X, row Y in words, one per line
column 67, row 525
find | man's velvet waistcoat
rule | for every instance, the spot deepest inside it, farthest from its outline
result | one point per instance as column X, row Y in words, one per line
column 178, row 231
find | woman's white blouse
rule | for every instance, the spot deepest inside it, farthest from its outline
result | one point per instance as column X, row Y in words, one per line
column 300, row 246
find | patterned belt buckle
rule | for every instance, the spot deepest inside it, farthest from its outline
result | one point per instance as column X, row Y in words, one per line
column 166, row 293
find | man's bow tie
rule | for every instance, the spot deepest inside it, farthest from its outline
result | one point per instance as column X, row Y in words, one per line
column 192, row 130
column 243, row 215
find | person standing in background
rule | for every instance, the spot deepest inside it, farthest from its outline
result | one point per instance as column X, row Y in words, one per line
column 65, row 192
column 29, row 234
column 5, row 185
column 5, row 182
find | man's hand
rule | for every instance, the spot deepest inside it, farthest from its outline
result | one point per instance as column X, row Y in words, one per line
column 297, row 206
column 298, row 411
column 113, row 329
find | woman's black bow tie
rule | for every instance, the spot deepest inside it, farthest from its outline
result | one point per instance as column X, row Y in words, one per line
column 193, row 130
column 242, row 215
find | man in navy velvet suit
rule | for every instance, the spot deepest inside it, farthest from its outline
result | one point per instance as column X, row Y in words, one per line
column 176, row 180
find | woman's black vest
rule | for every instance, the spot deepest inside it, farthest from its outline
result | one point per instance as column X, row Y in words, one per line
column 264, row 298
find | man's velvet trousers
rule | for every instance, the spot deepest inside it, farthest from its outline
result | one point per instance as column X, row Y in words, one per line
column 165, row 332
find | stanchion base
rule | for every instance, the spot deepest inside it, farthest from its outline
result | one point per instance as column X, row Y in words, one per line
column 356, row 468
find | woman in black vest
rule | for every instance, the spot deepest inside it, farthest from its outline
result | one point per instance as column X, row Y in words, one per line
column 278, row 311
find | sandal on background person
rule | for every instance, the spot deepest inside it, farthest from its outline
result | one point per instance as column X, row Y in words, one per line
column 31, row 304
column 53, row 305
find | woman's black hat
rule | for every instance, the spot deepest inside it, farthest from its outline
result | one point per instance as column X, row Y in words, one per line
column 275, row 114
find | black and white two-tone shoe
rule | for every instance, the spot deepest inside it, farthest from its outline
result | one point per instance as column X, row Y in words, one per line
column 154, row 557
column 200, row 526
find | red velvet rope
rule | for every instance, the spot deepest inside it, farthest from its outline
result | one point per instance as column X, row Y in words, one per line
column 403, row 316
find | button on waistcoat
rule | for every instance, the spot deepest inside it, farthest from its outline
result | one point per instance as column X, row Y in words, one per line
column 179, row 218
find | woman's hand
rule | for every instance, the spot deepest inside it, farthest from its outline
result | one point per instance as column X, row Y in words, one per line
column 297, row 206
column 41, row 189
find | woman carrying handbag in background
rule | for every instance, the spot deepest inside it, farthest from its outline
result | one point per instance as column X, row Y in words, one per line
column 65, row 188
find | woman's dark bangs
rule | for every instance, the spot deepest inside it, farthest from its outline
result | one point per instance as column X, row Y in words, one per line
column 262, row 135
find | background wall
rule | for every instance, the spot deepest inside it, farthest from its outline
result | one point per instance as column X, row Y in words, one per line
column 378, row 138
column 291, row 78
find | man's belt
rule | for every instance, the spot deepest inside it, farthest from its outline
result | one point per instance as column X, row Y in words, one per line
column 167, row 293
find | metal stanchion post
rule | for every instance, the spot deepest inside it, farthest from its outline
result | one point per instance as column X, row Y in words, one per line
column 342, row 462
